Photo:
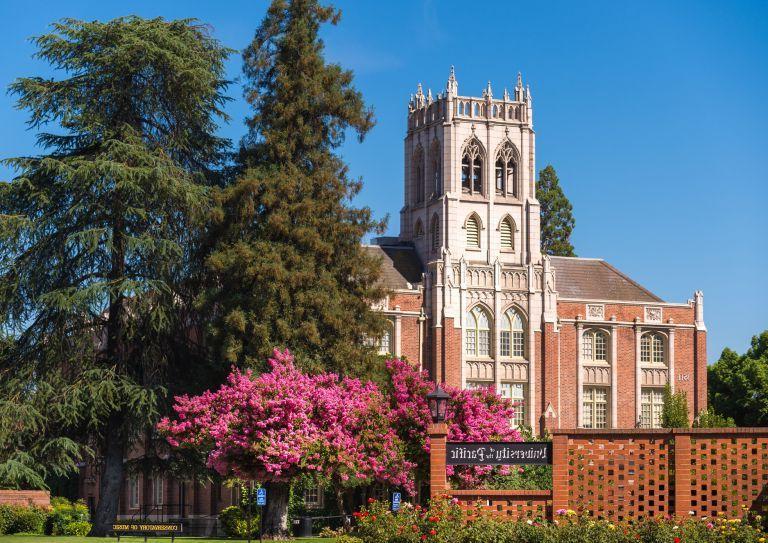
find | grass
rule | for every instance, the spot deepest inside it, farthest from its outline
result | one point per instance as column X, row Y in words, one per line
column 132, row 539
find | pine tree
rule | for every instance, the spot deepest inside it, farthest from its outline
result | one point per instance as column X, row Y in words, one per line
column 557, row 220
column 95, row 242
column 289, row 268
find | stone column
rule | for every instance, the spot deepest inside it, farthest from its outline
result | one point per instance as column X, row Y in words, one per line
column 614, row 375
column 638, row 371
column 579, row 373
column 671, row 364
column 438, row 480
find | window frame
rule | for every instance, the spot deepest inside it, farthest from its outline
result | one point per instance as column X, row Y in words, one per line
column 476, row 336
column 134, row 492
column 651, row 418
column 507, row 222
column 478, row 228
column 519, row 402
column 590, row 344
column 589, row 399
column 653, row 349
column 510, row 337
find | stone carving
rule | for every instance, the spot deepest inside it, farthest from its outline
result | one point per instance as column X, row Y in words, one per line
column 514, row 371
column 595, row 312
column 653, row 314
column 479, row 370
column 597, row 375
column 654, row 377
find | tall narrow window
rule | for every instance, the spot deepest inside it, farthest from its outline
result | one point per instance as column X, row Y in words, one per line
column 158, row 490
column 465, row 170
column 652, row 349
column 473, row 232
column 418, row 230
column 478, row 333
column 506, row 180
column 595, row 407
column 435, row 172
column 472, row 167
column 594, row 346
column 500, row 167
column 516, row 393
column 133, row 492
column 507, row 233
column 512, row 340
column 418, row 173
column 651, row 405
column 385, row 341
column 434, row 233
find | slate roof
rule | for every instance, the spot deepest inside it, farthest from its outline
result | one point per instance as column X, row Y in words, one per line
column 400, row 265
column 595, row 279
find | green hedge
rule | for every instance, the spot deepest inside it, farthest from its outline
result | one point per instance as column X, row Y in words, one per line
column 62, row 518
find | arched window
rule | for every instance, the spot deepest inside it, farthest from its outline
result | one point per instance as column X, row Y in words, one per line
column 473, row 231
column 472, row 167
column 478, row 332
column 386, row 342
column 418, row 230
column 495, row 111
column 507, row 233
column 461, row 108
column 512, row 340
column 652, row 349
column 506, row 168
column 418, row 168
column 594, row 346
column 435, row 169
column 477, row 110
column 434, row 233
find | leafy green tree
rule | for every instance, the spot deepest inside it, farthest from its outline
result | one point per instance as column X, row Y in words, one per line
column 287, row 265
column 709, row 418
column 674, row 412
column 96, row 242
column 738, row 384
column 287, row 261
column 557, row 220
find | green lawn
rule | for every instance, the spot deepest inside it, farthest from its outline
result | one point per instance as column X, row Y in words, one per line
column 130, row 539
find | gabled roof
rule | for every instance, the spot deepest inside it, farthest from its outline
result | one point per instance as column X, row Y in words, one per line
column 595, row 279
column 400, row 265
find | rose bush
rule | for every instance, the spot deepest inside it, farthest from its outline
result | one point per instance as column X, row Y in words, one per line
column 444, row 522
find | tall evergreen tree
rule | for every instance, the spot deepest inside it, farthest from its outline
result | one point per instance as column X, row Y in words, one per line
column 557, row 220
column 288, row 264
column 95, row 240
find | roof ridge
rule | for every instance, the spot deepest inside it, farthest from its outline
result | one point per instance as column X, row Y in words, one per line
column 628, row 278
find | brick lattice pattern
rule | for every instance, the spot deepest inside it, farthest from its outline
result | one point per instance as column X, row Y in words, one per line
column 625, row 475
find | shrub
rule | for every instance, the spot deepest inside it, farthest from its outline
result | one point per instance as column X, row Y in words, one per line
column 709, row 418
column 444, row 522
column 235, row 524
column 20, row 519
column 674, row 412
column 79, row 528
column 65, row 512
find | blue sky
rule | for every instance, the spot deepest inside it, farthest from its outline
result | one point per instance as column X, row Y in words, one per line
column 655, row 115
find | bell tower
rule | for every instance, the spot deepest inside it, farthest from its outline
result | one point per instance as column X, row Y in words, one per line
column 469, row 176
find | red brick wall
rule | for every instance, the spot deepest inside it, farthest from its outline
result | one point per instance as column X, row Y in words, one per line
column 409, row 339
column 627, row 312
column 568, row 377
column 626, row 378
column 40, row 498
column 508, row 504
column 406, row 301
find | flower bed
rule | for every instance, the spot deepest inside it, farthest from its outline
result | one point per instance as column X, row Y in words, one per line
column 445, row 522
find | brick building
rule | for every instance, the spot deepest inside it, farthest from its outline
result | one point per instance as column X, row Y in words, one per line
column 474, row 301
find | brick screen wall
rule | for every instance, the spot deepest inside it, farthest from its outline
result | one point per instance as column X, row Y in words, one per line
column 40, row 498
column 625, row 475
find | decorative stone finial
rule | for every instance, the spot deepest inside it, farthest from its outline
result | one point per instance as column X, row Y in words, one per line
column 488, row 93
column 506, row 94
column 452, row 87
column 429, row 96
column 519, row 80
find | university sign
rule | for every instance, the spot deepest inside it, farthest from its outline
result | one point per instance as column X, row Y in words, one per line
column 494, row 454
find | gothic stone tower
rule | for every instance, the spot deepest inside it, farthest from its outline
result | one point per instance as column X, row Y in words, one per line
column 575, row 342
column 471, row 213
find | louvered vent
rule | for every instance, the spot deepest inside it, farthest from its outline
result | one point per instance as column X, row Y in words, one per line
column 473, row 232
column 506, row 234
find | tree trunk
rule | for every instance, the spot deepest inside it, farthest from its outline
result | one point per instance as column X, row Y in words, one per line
column 340, row 502
column 276, row 511
column 111, row 476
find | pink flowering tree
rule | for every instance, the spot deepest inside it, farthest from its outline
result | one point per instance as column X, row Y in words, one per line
column 471, row 415
column 284, row 423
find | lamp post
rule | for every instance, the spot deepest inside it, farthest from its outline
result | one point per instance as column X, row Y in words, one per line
column 438, row 401
column 438, row 431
